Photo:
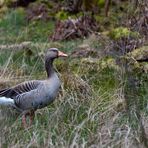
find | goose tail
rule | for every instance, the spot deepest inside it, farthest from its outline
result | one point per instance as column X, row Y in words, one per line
column 6, row 101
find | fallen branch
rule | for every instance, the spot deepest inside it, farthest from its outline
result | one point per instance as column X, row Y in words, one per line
column 23, row 45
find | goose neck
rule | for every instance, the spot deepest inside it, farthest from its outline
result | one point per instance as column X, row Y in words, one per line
column 49, row 67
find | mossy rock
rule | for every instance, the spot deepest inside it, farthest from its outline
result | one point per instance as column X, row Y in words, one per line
column 100, row 64
column 140, row 53
column 137, row 60
column 122, row 32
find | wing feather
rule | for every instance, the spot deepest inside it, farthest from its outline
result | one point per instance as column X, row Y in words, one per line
column 20, row 88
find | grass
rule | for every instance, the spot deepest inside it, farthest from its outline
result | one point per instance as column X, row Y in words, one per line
column 90, row 111
column 15, row 29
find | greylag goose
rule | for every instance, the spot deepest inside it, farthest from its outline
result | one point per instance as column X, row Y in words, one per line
column 29, row 96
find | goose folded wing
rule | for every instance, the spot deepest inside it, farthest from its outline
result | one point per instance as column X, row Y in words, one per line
column 20, row 88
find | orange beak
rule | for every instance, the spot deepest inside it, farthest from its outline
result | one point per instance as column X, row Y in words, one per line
column 61, row 54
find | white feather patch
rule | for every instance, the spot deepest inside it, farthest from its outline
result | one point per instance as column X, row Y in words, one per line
column 6, row 101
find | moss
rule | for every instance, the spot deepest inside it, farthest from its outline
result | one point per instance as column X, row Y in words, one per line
column 140, row 53
column 109, row 62
column 62, row 15
column 99, row 18
column 101, row 3
column 122, row 32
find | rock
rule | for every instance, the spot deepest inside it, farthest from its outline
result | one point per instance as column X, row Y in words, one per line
column 138, row 60
column 140, row 54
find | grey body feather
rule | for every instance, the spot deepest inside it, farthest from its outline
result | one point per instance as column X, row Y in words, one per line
column 40, row 97
column 37, row 93
column 32, row 94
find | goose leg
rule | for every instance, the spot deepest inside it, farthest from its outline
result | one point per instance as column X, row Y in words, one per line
column 31, row 117
column 24, row 121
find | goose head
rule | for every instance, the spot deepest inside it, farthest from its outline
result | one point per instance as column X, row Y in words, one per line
column 50, row 56
column 53, row 53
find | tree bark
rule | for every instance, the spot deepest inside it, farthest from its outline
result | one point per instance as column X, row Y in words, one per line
column 107, row 4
